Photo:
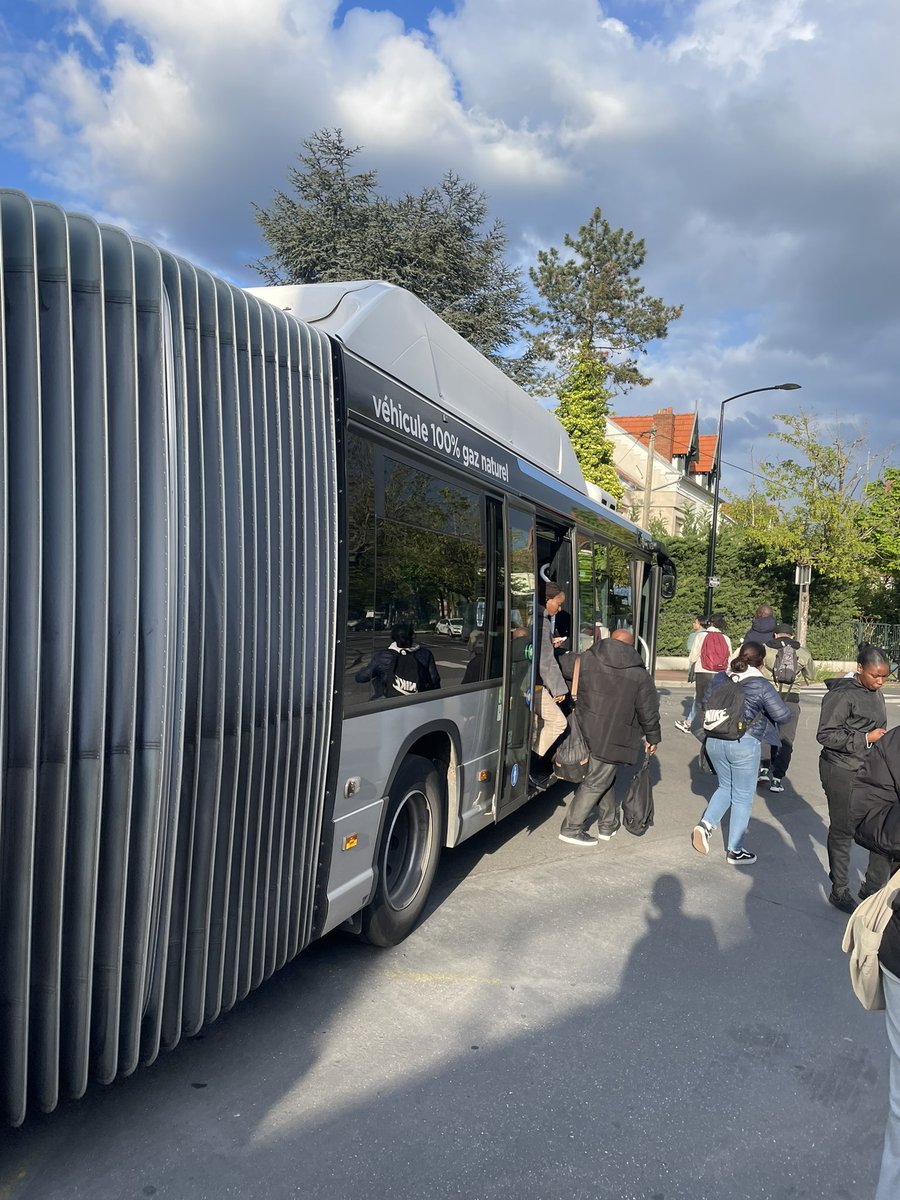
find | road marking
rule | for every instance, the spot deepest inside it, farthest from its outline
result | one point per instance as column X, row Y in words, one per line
column 435, row 977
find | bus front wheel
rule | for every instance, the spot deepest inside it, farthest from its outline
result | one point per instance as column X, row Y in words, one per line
column 408, row 854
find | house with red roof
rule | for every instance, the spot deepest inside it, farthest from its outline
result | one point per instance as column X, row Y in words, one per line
column 665, row 451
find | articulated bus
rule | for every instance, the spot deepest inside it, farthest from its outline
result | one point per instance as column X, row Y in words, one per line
column 216, row 503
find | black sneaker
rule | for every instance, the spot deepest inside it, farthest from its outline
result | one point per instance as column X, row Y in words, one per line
column 578, row 838
column 741, row 858
column 763, row 776
column 603, row 835
column 776, row 785
column 842, row 900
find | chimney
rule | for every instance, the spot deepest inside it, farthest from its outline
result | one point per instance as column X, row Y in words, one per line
column 665, row 432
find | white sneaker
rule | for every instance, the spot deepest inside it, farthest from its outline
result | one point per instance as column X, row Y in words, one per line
column 763, row 776
column 776, row 785
column 700, row 838
column 684, row 726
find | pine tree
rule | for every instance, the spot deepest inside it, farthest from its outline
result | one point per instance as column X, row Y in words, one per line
column 593, row 297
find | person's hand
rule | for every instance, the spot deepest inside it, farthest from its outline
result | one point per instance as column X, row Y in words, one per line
column 651, row 750
column 875, row 735
column 558, row 641
column 559, row 699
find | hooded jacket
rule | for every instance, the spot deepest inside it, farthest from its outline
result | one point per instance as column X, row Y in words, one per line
column 763, row 707
column 380, row 670
column 849, row 712
column 761, row 631
column 875, row 816
column 618, row 705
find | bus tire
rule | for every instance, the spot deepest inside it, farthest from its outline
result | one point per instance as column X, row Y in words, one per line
column 409, row 853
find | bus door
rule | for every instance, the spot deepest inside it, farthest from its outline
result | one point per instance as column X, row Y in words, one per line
column 518, row 690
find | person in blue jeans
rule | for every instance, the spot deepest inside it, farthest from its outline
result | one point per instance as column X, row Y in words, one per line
column 737, row 762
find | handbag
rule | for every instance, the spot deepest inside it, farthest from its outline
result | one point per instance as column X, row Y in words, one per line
column 637, row 805
column 572, row 757
column 862, row 940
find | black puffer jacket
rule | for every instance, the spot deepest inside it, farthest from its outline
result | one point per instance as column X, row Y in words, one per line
column 875, row 813
column 618, row 705
column 849, row 712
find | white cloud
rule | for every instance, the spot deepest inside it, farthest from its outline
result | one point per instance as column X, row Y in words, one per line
column 754, row 148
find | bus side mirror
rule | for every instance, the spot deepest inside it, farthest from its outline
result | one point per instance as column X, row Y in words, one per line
column 668, row 576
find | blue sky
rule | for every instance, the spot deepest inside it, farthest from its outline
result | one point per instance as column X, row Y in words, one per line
column 750, row 142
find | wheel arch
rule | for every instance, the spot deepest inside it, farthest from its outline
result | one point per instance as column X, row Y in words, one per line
column 438, row 741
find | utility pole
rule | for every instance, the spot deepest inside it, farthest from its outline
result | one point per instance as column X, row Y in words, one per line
column 648, row 476
column 802, row 577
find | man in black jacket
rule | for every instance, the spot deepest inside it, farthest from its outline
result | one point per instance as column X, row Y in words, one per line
column 763, row 628
column 618, row 708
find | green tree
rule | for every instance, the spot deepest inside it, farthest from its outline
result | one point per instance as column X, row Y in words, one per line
column 592, row 296
column 582, row 411
column 335, row 225
column 807, row 507
column 880, row 522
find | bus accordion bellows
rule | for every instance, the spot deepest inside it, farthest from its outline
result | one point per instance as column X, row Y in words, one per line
column 219, row 507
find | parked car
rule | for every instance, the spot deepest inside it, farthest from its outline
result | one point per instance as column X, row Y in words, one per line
column 456, row 626
column 442, row 625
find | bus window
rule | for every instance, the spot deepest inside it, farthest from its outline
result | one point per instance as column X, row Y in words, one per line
column 362, row 614
column 614, row 587
column 428, row 569
column 586, row 600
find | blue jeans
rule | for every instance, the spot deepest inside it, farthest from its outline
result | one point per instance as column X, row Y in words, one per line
column 889, row 1179
column 737, row 766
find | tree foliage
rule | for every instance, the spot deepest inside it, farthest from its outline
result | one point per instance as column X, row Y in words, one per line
column 582, row 412
column 880, row 521
column 807, row 507
column 592, row 296
column 335, row 225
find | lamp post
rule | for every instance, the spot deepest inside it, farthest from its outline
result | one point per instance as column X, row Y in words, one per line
column 717, row 463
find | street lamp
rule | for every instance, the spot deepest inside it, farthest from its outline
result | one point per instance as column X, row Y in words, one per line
column 717, row 465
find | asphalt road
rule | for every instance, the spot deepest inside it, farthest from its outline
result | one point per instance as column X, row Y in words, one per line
column 626, row 1021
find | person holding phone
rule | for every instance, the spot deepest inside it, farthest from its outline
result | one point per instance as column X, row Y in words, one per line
column 852, row 720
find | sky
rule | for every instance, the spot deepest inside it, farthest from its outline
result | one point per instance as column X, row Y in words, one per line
column 752, row 143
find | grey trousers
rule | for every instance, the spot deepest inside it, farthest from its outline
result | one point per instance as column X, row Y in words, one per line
column 889, row 1179
column 596, row 794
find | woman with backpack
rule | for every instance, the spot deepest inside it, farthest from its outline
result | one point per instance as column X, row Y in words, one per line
column 741, row 710
column 852, row 720
column 402, row 669
column 710, row 653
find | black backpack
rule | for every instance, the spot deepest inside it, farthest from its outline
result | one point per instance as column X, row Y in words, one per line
column 786, row 665
column 723, row 711
column 406, row 677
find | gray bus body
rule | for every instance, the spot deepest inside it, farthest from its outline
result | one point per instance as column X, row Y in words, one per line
column 193, row 786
